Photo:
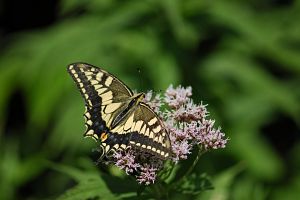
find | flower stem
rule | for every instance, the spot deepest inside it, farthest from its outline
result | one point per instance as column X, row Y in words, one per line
column 170, row 171
column 159, row 191
column 200, row 152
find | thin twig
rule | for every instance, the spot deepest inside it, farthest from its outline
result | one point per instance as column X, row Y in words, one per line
column 200, row 152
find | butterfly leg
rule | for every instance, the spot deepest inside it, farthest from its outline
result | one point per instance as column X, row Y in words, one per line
column 100, row 150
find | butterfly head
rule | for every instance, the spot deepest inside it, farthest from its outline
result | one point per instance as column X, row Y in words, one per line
column 138, row 97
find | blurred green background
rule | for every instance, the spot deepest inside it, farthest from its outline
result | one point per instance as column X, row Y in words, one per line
column 242, row 58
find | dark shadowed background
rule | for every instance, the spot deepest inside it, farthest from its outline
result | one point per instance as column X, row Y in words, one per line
column 242, row 58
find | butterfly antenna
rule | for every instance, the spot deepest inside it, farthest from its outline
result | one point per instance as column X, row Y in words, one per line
column 140, row 77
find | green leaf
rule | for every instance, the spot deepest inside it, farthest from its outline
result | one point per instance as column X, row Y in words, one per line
column 194, row 184
column 87, row 190
column 90, row 184
column 222, row 183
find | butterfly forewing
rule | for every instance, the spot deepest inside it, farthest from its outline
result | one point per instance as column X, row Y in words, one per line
column 100, row 89
column 98, row 86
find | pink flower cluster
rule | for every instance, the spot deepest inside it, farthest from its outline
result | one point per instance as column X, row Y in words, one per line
column 133, row 164
column 147, row 175
column 187, row 125
column 126, row 161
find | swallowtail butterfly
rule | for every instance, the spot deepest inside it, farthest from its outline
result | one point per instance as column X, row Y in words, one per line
column 115, row 116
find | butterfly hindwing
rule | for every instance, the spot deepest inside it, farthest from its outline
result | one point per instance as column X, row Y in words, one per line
column 149, row 133
column 146, row 131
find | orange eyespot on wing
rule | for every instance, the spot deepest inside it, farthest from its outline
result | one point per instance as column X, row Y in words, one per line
column 103, row 137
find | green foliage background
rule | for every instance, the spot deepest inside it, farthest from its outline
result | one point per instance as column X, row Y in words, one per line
column 242, row 58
